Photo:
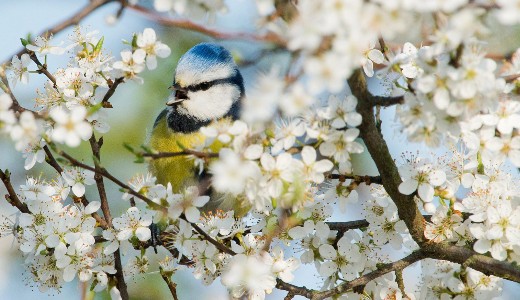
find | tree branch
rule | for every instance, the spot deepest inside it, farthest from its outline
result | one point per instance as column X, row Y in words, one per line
column 72, row 20
column 376, row 146
column 295, row 290
column 121, row 284
column 368, row 180
column 358, row 224
column 472, row 259
column 386, row 101
column 360, row 281
column 186, row 24
column 363, row 280
column 349, row 225
column 95, row 145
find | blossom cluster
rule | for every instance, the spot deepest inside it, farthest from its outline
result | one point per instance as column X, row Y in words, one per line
column 278, row 183
column 446, row 280
column 255, row 161
column 58, row 239
column 57, row 232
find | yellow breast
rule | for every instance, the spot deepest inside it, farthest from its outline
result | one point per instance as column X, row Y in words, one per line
column 179, row 170
column 176, row 170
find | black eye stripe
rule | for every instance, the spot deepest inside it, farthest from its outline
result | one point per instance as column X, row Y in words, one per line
column 203, row 86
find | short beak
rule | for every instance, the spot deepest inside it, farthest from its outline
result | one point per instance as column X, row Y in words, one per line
column 174, row 101
column 178, row 90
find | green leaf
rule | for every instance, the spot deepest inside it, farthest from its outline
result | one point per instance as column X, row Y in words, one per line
column 24, row 42
column 147, row 149
column 93, row 285
column 95, row 108
column 128, row 147
column 99, row 45
column 134, row 42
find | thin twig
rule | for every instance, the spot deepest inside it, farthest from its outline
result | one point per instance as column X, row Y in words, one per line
column 5, row 87
column 106, row 174
column 400, row 282
column 455, row 60
column 96, row 147
column 124, row 3
column 102, row 171
column 350, row 225
column 384, row 48
column 42, row 69
column 180, row 153
column 207, row 237
column 511, row 78
column 51, row 160
column 12, row 197
column 111, row 91
column 171, row 285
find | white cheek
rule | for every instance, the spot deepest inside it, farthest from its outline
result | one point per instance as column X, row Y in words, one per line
column 213, row 103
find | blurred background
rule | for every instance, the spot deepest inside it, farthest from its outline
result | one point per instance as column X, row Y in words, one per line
column 135, row 109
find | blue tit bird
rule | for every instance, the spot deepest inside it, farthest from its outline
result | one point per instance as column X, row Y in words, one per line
column 207, row 88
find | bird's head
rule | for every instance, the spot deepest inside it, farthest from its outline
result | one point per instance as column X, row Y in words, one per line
column 207, row 85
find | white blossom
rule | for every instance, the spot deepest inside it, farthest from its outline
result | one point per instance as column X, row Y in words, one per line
column 19, row 68
column 77, row 179
column 41, row 45
column 188, row 203
column 147, row 41
column 133, row 223
column 249, row 274
column 70, row 128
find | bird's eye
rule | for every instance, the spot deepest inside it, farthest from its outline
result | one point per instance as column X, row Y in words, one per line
column 180, row 94
column 204, row 86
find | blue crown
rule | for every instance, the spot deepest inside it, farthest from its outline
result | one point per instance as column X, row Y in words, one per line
column 205, row 56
